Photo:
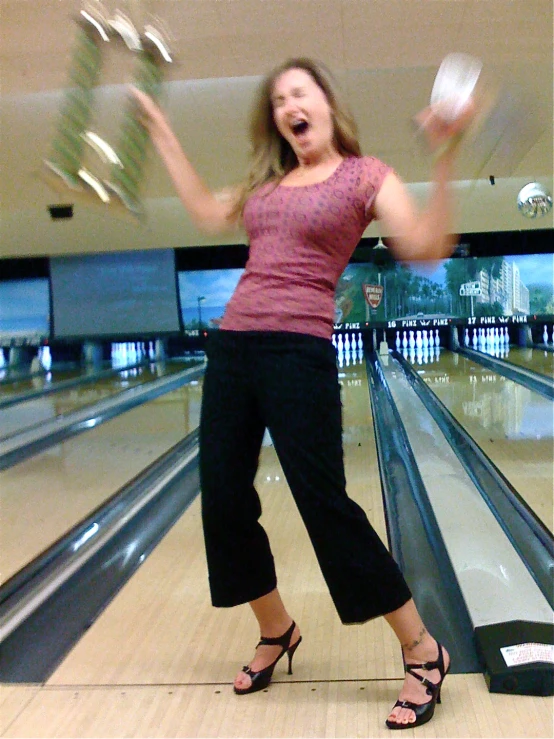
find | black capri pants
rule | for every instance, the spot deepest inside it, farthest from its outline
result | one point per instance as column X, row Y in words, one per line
column 287, row 383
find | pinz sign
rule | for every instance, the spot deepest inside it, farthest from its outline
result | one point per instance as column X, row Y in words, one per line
column 373, row 294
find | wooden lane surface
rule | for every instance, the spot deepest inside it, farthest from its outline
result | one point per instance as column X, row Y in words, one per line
column 160, row 660
column 46, row 495
column 513, row 425
column 537, row 360
column 165, row 628
column 303, row 710
column 27, row 383
column 38, row 410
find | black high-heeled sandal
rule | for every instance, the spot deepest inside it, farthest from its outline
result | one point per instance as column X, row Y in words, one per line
column 424, row 711
column 262, row 678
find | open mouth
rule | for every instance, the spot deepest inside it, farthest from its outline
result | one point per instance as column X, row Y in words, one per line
column 299, row 127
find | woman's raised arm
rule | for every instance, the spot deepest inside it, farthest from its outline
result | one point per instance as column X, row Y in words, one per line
column 426, row 234
column 211, row 213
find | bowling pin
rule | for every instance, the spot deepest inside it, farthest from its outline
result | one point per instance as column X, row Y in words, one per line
column 46, row 358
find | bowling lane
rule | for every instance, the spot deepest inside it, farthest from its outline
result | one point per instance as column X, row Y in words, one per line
column 26, row 383
column 537, row 360
column 513, row 425
column 46, row 495
column 161, row 628
column 32, row 412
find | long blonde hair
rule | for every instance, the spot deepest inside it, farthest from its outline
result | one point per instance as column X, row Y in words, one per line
column 272, row 157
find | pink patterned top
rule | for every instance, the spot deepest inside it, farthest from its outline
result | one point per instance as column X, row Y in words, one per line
column 301, row 239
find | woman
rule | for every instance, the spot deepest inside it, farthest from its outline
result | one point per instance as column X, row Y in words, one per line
column 307, row 200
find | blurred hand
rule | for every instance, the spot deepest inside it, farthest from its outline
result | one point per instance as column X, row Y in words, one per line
column 441, row 132
column 150, row 113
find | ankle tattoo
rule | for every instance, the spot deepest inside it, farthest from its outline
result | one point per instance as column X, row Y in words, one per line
column 412, row 645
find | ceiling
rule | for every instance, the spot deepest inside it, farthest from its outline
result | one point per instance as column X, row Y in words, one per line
column 384, row 52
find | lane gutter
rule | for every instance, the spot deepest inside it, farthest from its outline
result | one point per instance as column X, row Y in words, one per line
column 517, row 655
column 526, row 377
column 47, row 607
column 415, row 539
column 528, row 535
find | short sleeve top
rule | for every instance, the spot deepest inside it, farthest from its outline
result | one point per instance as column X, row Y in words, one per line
column 301, row 239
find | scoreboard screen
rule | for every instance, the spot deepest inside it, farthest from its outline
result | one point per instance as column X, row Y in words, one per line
column 117, row 294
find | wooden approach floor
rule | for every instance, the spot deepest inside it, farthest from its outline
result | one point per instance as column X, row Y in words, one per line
column 302, row 709
column 159, row 661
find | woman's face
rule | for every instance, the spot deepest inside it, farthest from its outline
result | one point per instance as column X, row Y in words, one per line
column 302, row 113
